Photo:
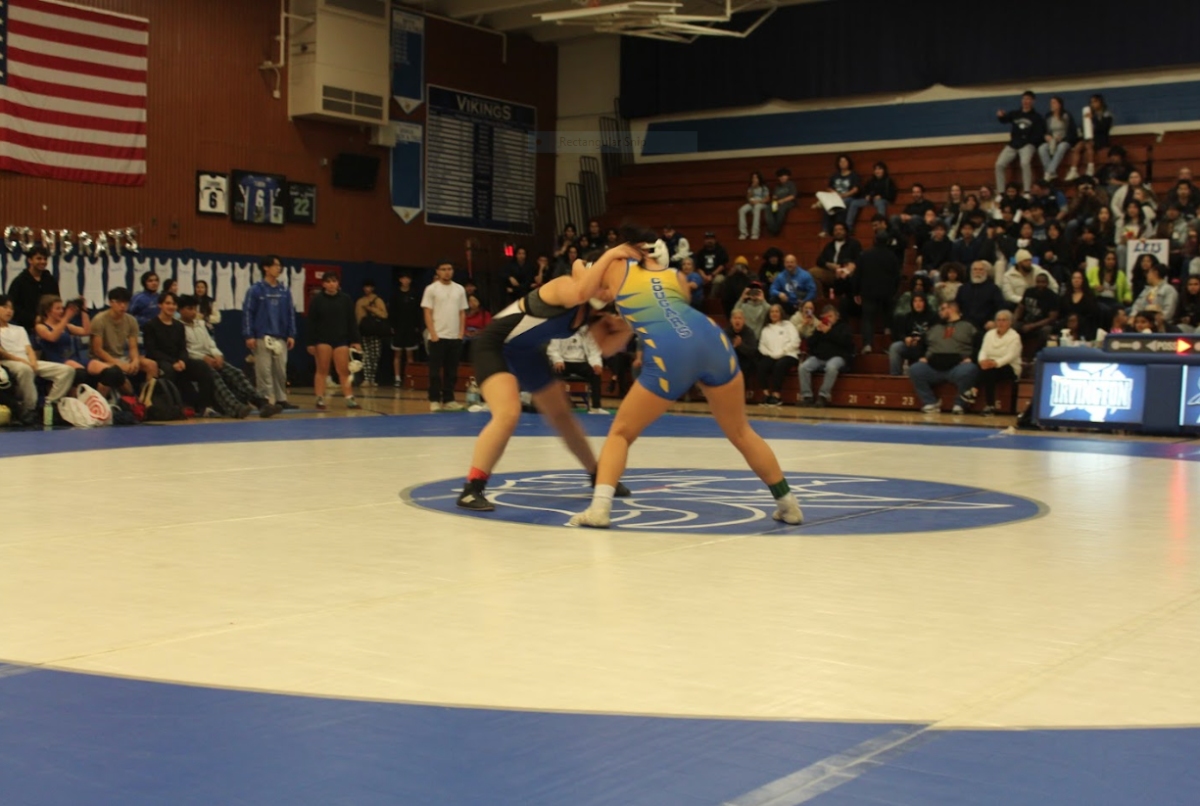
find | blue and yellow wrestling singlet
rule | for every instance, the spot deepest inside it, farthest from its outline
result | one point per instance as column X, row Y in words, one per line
column 680, row 345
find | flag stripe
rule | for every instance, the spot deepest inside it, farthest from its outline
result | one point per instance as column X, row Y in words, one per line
column 73, row 147
column 77, row 93
column 18, row 112
column 41, row 169
column 118, row 115
column 73, row 38
column 64, row 22
column 71, row 133
column 51, row 62
column 78, row 161
column 29, row 44
column 77, row 13
column 137, row 92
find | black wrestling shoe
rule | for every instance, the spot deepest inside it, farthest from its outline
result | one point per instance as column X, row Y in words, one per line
column 621, row 492
column 472, row 498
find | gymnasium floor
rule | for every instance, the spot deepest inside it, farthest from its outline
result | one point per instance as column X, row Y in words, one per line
column 293, row 612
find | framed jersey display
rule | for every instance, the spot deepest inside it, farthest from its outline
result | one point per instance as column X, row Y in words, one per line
column 212, row 193
column 302, row 203
column 259, row 198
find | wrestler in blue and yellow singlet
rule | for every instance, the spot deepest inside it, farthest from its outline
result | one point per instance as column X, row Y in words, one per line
column 680, row 344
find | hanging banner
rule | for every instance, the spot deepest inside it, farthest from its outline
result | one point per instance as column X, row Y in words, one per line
column 408, row 59
column 408, row 167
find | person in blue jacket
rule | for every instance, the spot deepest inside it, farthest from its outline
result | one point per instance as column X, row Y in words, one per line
column 269, row 327
column 144, row 305
column 793, row 286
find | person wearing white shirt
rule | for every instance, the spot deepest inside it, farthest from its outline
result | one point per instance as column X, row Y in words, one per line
column 232, row 390
column 579, row 355
column 779, row 345
column 18, row 358
column 445, row 307
column 1023, row 275
column 999, row 359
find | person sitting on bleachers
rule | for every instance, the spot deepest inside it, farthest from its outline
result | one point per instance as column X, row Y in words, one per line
column 999, row 359
column 754, row 307
column 830, row 348
column 59, row 339
column 712, row 260
column 779, row 346
column 1187, row 319
column 968, row 248
column 1173, row 227
column 166, row 345
column 1023, row 276
column 579, row 355
column 792, row 286
column 1135, row 190
column 910, row 221
column 1037, row 312
column 783, row 198
column 18, row 359
column 946, row 289
column 757, row 196
column 1115, row 172
column 846, row 183
column 144, row 305
column 952, row 210
column 934, row 252
column 981, row 299
column 232, row 390
column 913, row 327
column 1083, row 209
column 805, row 321
column 738, row 279
column 1052, row 201
column 114, row 341
column 1060, row 135
column 879, row 192
column 677, row 246
column 1035, row 217
column 1158, row 294
column 836, row 260
column 949, row 348
column 745, row 344
column 903, row 306
column 1027, row 131
column 695, row 279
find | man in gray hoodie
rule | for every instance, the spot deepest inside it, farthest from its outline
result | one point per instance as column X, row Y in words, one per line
column 947, row 358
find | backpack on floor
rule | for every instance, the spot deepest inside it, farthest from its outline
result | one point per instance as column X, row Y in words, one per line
column 163, row 401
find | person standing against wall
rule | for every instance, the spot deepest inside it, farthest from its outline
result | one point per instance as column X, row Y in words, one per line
column 371, row 314
column 445, row 308
column 269, row 327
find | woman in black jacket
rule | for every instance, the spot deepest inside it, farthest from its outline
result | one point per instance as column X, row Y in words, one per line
column 332, row 333
column 912, row 329
column 879, row 192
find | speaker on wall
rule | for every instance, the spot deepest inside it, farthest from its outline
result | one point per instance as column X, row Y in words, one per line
column 355, row 171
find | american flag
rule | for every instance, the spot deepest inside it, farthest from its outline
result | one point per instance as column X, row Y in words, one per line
column 72, row 92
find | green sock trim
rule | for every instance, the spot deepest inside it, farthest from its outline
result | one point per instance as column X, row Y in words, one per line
column 779, row 489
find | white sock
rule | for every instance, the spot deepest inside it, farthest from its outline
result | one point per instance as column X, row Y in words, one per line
column 602, row 497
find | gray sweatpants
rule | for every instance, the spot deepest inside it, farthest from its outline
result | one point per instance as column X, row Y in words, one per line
column 270, row 372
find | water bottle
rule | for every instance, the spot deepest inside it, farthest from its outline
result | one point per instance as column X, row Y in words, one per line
column 48, row 414
column 473, row 396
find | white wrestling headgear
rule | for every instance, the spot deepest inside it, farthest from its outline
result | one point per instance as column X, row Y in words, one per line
column 658, row 251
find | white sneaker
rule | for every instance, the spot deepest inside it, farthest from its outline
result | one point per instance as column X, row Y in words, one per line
column 1072, row 175
column 453, row 405
column 478, row 407
column 1050, row 176
column 957, row 409
column 788, row 511
column 866, row 350
column 743, row 237
column 593, row 517
column 435, row 406
column 599, row 411
column 932, row 408
column 396, row 383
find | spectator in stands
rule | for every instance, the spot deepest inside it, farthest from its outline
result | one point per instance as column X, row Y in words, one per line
column 1022, row 276
column 909, row 222
column 738, row 280
column 846, row 183
column 898, row 244
column 1060, row 137
column 1120, row 322
column 1027, row 131
column 611, row 238
column 1185, row 197
column 234, row 394
column 1110, row 285
column 1106, row 228
column 1135, row 226
column 912, row 329
column 779, row 346
column 830, row 348
column 1051, row 200
column 1158, row 293
column 1115, row 172
column 595, row 235
column 792, row 286
column 1188, row 317
column 518, row 276
column 967, row 249
column 712, row 260
column 757, row 196
column 934, row 252
column 947, row 289
column 783, row 198
column 949, row 347
column 744, row 342
column 567, row 239
column 1102, row 121
column 988, row 204
column 1144, row 322
column 771, row 266
column 1087, row 248
column 371, row 308
column 166, row 345
column 562, row 264
column 874, row 286
column 332, row 333
column 144, row 305
column 952, row 210
column 999, row 359
column 28, row 288
column 584, row 244
column 879, row 192
column 677, row 246
column 1173, row 227
column 18, row 359
column 204, row 305
column 478, row 318
column 754, row 307
column 1035, row 218
column 1037, row 312
column 980, row 300
column 1055, row 254
column 57, row 338
column 695, row 280
column 1134, row 190
column 114, row 341
column 836, row 261
column 805, row 322
column 1079, row 301
column 920, row 285
column 1084, row 208
column 578, row 355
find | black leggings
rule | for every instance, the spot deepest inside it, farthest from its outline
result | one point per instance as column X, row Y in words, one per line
column 772, row 371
